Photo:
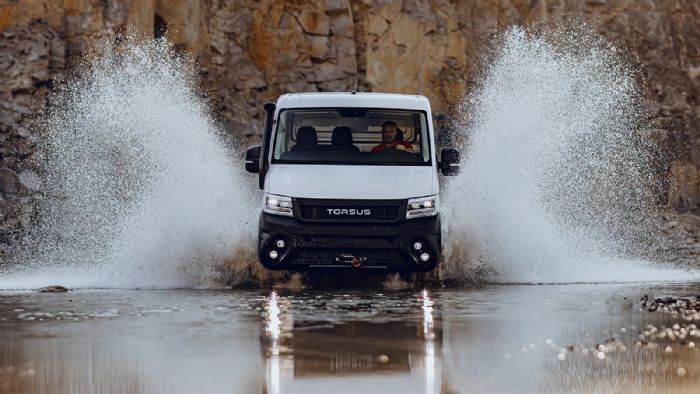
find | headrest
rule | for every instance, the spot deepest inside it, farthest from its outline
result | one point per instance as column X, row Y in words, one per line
column 399, row 134
column 341, row 136
column 306, row 135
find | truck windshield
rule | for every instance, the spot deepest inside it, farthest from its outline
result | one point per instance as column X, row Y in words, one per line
column 352, row 136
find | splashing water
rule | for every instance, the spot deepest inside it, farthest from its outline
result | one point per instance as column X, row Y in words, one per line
column 139, row 190
column 553, row 187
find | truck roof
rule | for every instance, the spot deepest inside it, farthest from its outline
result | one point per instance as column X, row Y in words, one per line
column 358, row 99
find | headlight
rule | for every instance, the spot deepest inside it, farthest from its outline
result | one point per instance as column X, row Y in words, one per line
column 278, row 205
column 422, row 206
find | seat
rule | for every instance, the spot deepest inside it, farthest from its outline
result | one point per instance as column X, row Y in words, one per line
column 341, row 140
column 307, row 139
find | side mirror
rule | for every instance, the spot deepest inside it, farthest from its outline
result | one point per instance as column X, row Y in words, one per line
column 449, row 161
column 252, row 159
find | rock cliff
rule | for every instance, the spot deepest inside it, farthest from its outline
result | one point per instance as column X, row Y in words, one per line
column 252, row 51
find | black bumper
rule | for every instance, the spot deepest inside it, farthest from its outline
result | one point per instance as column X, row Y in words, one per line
column 349, row 245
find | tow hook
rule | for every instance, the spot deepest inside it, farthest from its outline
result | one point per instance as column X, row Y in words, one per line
column 355, row 261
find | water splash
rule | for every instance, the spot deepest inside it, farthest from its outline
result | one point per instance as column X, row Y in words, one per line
column 141, row 192
column 139, row 189
column 554, row 185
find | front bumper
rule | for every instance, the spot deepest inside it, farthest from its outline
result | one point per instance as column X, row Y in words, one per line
column 348, row 245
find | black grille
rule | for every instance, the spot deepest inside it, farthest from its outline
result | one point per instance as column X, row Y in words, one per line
column 346, row 211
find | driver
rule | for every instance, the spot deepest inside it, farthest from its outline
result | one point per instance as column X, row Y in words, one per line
column 392, row 138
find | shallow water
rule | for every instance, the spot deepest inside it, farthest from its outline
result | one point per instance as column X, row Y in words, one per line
column 491, row 338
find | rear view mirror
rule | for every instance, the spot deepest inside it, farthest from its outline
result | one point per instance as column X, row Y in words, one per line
column 252, row 159
column 449, row 161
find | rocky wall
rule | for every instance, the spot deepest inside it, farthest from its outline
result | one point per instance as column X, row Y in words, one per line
column 252, row 51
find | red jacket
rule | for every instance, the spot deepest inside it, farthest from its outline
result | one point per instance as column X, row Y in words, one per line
column 394, row 144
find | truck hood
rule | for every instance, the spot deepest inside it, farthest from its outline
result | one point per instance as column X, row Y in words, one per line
column 351, row 182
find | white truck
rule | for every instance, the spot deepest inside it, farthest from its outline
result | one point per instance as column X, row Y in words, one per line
column 350, row 180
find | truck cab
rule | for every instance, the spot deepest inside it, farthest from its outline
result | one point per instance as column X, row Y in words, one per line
column 350, row 180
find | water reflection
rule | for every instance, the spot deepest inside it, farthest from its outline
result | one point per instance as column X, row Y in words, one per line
column 428, row 333
column 309, row 352
column 504, row 339
column 279, row 368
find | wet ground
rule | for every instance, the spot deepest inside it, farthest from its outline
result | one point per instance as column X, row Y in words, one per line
column 551, row 338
